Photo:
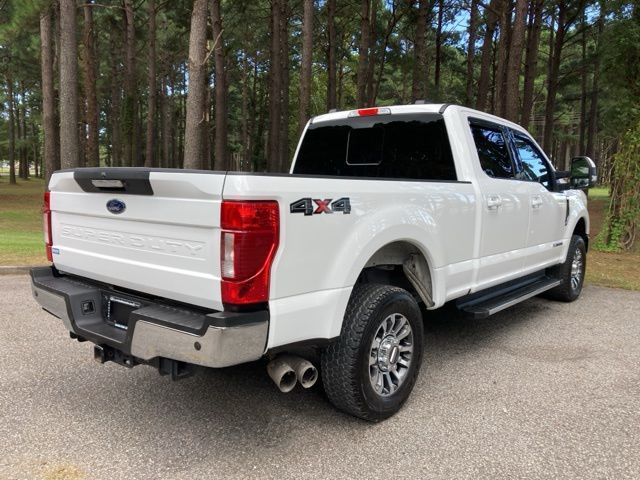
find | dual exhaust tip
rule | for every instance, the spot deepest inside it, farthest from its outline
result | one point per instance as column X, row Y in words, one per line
column 287, row 370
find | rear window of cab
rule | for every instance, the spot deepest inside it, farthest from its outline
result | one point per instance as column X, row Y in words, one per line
column 401, row 146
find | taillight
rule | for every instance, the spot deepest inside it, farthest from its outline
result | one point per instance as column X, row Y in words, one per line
column 46, row 224
column 248, row 244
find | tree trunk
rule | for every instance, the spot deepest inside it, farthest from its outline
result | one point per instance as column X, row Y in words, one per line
column 418, row 87
column 129, row 114
column 283, row 155
column 12, row 134
column 21, row 113
column 512, row 81
column 371, row 60
column 593, row 107
column 115, row 101
column 306, row 63
column 487, row 54
column 552, row 79
column 502, row 56
column 583, row 85
column 331, row 55
column 531, row 62
column 244, row 158
column 91, row 113
column 275, row 88
column 221, row 138
column 68, row 86
column 195, row 115
column 436, row 79
column 150, row 160
column 165, row 122
column 363, row 53
column 471, row 49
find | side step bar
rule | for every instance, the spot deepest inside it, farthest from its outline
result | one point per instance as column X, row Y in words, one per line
column 482, row 305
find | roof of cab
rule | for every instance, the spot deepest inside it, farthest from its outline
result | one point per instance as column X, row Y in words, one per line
column 417, row 108
column 414, row 108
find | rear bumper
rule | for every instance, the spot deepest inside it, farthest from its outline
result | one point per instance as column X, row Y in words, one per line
column 155, row 329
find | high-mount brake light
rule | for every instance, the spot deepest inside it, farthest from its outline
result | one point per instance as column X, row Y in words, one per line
column 369, row 112
column 248, row 244
column 46, row 224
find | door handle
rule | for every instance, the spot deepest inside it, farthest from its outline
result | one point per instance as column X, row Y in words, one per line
column 493, row 202
column 536, row 201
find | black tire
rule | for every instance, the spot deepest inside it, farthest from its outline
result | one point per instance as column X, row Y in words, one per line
column 569, row 290
column 345, row 363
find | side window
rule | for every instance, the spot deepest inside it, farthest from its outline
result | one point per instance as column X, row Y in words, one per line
column 534, row 166
column 492, row 151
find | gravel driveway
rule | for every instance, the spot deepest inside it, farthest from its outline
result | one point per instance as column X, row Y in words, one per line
column 542, row 390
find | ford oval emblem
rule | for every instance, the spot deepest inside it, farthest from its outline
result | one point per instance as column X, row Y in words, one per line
column 116, row 206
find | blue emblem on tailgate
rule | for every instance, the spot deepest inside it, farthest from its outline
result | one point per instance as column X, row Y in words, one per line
column 116, row 206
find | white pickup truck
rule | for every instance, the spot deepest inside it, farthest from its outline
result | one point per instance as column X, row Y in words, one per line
column 387, row 213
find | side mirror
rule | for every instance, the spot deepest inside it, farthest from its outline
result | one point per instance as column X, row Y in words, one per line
column 583, row 173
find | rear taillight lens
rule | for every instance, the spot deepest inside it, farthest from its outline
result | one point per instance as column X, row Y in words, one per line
column 46, row 224
column 248, row 244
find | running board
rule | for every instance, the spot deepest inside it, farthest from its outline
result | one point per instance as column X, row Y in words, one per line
column 487, row 305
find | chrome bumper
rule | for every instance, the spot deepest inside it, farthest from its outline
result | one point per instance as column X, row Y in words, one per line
column 216, row 339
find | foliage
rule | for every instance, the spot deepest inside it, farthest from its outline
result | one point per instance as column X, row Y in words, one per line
column 623, row 219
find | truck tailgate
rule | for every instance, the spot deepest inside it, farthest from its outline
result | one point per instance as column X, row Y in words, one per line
column 160, row 235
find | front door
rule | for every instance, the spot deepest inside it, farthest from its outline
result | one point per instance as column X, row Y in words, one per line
column 548, row 209
column 505, row 212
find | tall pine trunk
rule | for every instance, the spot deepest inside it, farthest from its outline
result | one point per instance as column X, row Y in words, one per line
column 552, row 78
column 275, row 88
column 593, row 106
column 471, row 49
column 91, row 96
column 129, row 114
column 331, row 55
column 48, row 95
column 12, row 133
column 220, row 160
column 306, row 62
column 363, row 54
column 152, row 103
column 419, row 80
column 512, row 77
column 583, row 86
column 438, row 60
column 69, row 155
column 484, row 79
column 502, row 57
column 531, row 62
column 195, row 109
column 283, row 162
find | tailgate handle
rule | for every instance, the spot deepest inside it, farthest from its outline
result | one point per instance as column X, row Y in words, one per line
column 133, row 181
column 108, row 184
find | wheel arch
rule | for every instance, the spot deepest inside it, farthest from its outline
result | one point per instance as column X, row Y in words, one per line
column 404, row 264
column 581, row 230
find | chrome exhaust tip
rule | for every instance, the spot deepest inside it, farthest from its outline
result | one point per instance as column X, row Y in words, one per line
column 282, row 374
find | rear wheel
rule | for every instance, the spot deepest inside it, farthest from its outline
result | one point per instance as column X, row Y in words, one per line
column 370, row 371
column 571, row 272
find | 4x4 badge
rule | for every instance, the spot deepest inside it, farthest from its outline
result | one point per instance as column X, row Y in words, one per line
column 306, row 206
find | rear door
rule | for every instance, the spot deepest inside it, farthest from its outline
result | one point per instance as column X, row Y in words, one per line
column 505, row 212
column 548, row 209
column 153, row 231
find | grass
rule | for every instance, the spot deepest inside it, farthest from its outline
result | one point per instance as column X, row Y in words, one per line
column 618, row 270
column 21, row 240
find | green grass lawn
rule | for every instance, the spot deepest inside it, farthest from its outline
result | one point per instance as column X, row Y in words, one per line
column 21, row 241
